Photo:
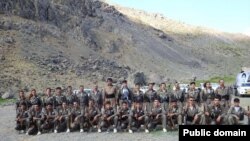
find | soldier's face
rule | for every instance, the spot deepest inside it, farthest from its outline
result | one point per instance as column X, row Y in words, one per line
column 48, row 92
column 216, row 101
column 23, row 107
column 177, row 86
column 124, row 106
column 96, row 87
column 33, row 93
column 156, row 103
column 91, row 103
column 58, row 92
column 49, row 107
column 138, row 105
column 36, row 107
column 174, row 104
column 208, row 85
column 221, row 83
column 21, row 94
column 191, row 101
column 124, row 84
column 137, row 87
column 163, row 86
column 69, row 89
column 75, row 104
column 150, row 86
column 192, row 86
column 81, row 89
column 236, row 104
column 64, row 105
column 107, row 106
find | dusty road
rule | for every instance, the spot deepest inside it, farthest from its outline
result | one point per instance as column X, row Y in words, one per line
column 7, row 132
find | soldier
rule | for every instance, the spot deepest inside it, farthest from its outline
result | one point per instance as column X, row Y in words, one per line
column 125, row 94
column 178, row 95
column 83, row 97
column 164, row 96
column 34, row 99
column 215, row 113
column 207, row 94
column 92, row 115
column 62, row 119
column 110, row 92
column 123, row 115
column 70, row 96
column 97, row 97
column 107, row 118
column 236, row 113
column 149, row 97
column 49, row 98
column 138, row 117
column 193, row 92
column 22, row 99
column 156, row 116
column 76, row 117
column 22, row 117
column 174, row 115
column 59, row 98
column 192, row 113
column 36, row 117
column 138, row 96
column 224, row 93
column 49, row 118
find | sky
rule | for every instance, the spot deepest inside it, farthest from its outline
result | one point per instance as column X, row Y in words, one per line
column 225, row 15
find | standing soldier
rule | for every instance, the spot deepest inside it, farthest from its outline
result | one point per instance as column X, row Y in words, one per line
column 83, row 97
column 138, row 117
column 178, row 95
column 36, row 117
column 97, row 97
column 22, row 99
column 236, row 113
column 123, row 115
column 164, row 96
column 174, row 114
column 107, row 118
column 192, row 113
column 76, row 117
column 193, row 92
column 49, row 98
column 62, row 119
column 22, row 118
column 149, row 97
column 49, row 118
column 92, row 115
column 34, row 99
column 138, row 96
column 110, row 92
column 70, row 97
column 59, row 98
column 125, row 94
column 215, row 113
column 156, row 116
column 207, row 94
column 224, row 93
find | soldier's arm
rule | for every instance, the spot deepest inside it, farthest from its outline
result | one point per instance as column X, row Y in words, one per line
column 230, row 110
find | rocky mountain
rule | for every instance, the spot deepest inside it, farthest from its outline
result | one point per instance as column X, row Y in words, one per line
column 48, row 43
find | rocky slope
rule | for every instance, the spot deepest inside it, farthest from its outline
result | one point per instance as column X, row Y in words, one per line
column 71, row 42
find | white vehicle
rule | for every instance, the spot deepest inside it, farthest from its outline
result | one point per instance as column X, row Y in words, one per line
column 214, row 86
column 144, row 89
column 244, row 89
column 88, row 91
column 184, row 87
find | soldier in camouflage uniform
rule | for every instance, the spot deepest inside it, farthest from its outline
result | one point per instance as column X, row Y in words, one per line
column 70, row 96
column 49, row 98
column 193, row 92
column 77, row 117
column 83, row 98
column 178, row 94
column 157, row 116
column 215, row 113
column 149, row 97
column 36, row 119
column 62, row 121
column 97, row 97
column 164, row 96
column 22, row 99
column 207, row 94
column 224, row 93
column 34, row 99
column 92, row 115
column 107, row 118
column 193, row 114
column 22, row 117
column 59, row 98
column 138, row 117
column 49, row 118
column 174, row 114
column 236, row 113
column 125, row 94
column 138, row 96
column 122, row 116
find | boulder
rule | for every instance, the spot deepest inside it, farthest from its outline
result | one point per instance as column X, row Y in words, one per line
column 7, row 95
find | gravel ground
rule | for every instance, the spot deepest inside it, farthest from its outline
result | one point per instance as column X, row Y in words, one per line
column 7, row 132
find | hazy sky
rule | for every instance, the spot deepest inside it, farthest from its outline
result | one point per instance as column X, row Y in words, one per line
column 224, row 15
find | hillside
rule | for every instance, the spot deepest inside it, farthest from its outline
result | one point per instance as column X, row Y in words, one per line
column 50, row 43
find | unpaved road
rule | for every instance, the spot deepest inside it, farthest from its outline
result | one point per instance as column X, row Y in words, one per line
column 7, row 132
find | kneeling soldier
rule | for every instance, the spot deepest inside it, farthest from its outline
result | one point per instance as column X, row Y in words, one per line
column 22, row 118
column 62, row 119
column 76, row 117
column 174, row 116
column 49, row 118
column 92, row 115
column 122, row 116
column 37, row 118
column 107, row 118
column 156, row 116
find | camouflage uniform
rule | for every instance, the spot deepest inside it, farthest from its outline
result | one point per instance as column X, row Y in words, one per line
column 92, row 115
column 156, row 117
column 83, row 99
column 191, row 112
column 179, row 96
column 224, row 93
column 71, row 98
column 207, row 96
column 137, row 118
column 164, row 98
column 149, row 98
column 174, row 116
column 62, row 120
column 236, row 115
column 59, row 100
column 22, row 122
column 107, row 113
column 98, row 99
column 35, row 124
column 193, row 93
column 77, row 118
column 49, row 119
column 122, row 116
column 214, row 112
column 49, row 99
